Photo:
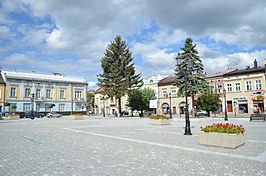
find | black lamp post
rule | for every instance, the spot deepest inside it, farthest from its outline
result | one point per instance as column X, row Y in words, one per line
column 225, row 107
column 187, row 127
column 32, row 106
column 186, row 73
column 170, row 109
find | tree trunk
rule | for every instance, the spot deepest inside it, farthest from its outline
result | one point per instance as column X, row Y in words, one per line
column 141, row 113
column 119, row 107
column 193, row 109
column 209, row 114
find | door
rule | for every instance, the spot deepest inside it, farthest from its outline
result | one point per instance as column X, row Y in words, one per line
column 229, row 106
column 174, row 110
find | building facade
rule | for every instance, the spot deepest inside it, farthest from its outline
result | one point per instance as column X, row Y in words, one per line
column 32, row 91
column 245, row 90
column 2, row 91
column 168, row 99
column 108, row 106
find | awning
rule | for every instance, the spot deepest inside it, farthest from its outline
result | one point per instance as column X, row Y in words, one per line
column 182, row 105
column 165, row 105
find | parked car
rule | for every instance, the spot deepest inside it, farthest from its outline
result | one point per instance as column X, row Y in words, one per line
column 31, row 114
column 201, row 113
column 54, row 114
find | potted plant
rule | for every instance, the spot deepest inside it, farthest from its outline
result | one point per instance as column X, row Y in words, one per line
column 77, row 116
column 13, row 116
column 159, row 120
column 222, row 135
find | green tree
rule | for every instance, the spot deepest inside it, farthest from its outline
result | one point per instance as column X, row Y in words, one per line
column 140, row 99
column 119, row 74
column 51, row 106
column 189, row 70
column 90, row 101
column 209, row 102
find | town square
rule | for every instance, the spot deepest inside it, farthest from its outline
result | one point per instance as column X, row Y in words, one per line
column 134, row 87
column 124, row 146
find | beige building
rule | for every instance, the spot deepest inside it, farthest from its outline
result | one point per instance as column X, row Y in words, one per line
column 245, row 90
column 107, row 106
column 110, row 106
column 168, row 99
column 2, row 91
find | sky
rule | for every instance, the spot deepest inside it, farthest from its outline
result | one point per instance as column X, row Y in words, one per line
column 70, row 37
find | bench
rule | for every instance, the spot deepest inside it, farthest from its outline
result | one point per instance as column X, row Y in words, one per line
column 258, row 117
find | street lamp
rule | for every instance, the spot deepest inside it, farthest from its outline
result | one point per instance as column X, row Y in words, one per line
column 225, row 107
column 32, row 105
column 170, row 109
column 185, row 74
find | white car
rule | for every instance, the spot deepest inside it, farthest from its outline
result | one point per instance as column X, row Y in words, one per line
column 201, row 113
column 54, row 114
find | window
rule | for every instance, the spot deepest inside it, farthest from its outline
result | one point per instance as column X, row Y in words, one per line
column 229, row 87
column 12, row 92
column 61, row 107
column 38, row 93
column 26, row 107
column 164, row 94
column 13, row 107
column 38, row 107
column 248, row 85
column 173, row 93
column 62, row 93
column 48, row 93
column 47, row 107
column 27, row 92
column 78, row 107
column 258, row 84
column 238, row 87
column 220, row 89
column 78, row 94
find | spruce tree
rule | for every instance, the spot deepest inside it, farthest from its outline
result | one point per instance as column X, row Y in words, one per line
column 189, row 70
column 119, row 74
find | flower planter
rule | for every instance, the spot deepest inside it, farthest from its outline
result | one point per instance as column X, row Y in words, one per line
column 78, row 117
column 221, row 139
column 14, row 117
column 159, row 121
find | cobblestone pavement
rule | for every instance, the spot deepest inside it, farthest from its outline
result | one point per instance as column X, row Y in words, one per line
column 124, row 146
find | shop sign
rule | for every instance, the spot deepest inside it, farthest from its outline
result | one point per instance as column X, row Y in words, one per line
column 240, row 98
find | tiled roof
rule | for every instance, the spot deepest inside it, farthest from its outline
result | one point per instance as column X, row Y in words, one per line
column 100, row 90
column 167, row 80
column 43, row 77
column 246, row 71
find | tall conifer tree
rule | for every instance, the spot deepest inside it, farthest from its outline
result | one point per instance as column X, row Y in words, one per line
column 189, row 69
column 119, row 74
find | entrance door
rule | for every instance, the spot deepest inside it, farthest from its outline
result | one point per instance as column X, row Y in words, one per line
column 174, row 110
column 229, row 106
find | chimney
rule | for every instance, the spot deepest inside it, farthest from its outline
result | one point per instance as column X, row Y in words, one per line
column 255, row 64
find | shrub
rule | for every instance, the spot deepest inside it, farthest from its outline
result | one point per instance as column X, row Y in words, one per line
column 224, row 128
column 159, row 117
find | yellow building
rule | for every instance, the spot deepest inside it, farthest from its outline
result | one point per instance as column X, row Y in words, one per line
column 108, row 106
column 2, row 91
column 168, row 99
column 32, row 91
column 245, row 90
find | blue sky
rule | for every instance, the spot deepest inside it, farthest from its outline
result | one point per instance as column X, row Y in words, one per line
column 70, row 36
